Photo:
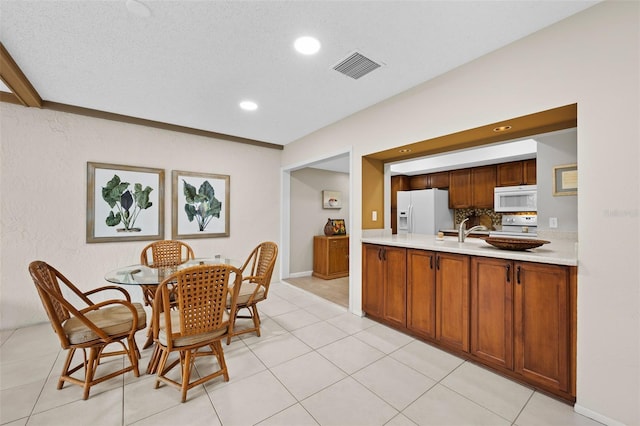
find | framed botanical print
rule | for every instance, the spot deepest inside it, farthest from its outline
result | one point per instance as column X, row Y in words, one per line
column 200, row 205
column 124, row 203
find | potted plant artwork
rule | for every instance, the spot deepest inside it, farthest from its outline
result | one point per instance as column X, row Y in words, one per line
column 125, row 205
column 201, row 205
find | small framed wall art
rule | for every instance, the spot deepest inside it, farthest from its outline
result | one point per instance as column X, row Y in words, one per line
column 124, row 203
column 200, row 205
column 331, row 199
column 565, row 180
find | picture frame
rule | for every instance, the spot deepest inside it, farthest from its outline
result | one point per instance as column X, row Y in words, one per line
column 565, row 180
column 331, row 199
column 124, row 203
column 200, row 205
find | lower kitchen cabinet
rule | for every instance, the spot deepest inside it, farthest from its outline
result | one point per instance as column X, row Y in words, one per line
column 518, row 318
column 421, row 293
column 452, row 300
column 521, row 319
column 542, row 322
column 384, row 272
column 492, row 310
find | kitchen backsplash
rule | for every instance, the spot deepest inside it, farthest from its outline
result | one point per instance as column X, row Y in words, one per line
column 474, row 217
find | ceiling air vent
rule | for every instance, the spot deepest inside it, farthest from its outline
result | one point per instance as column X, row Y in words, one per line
column 356, row 66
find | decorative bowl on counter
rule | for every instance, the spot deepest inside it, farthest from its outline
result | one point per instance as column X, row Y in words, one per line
column 515, row 243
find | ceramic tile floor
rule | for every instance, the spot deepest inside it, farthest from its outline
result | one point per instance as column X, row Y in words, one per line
column 315, row 364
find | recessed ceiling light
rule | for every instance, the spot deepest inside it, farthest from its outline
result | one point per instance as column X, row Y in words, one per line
column 248, row 105
column 404, row 150
column 307, row 45
column 138, row 8
column 501, row 128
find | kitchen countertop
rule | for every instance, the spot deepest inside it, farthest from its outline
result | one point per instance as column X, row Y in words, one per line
column 559, row 252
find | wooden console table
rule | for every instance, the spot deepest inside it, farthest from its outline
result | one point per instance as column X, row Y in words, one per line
column 331, row 256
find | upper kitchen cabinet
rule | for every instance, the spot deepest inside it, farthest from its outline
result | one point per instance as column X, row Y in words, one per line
column 439, row 180
column 472, row 187
column 460, row 189
column 517, row 173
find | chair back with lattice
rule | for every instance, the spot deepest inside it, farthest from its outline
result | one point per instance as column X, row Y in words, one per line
column 263, row 261
column 200, row 293
column 47, row 280
column 166, row 253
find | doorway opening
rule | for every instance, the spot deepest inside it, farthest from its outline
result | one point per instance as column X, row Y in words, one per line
column 304, row 216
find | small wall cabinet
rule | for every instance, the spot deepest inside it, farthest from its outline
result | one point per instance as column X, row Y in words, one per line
column 330, row 256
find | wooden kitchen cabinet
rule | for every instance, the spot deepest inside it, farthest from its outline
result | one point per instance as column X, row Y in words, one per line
column 483, row 182
column 460, row 189
column 492, row 311
column 472, row 187
column 418, row 182
column 421, row 293
column 330, row 256
column 439, row 180
column 521, row 316
column 452, row 300
column 542, row 325
column 517, row 173
column 530, row 170
column 384, row 271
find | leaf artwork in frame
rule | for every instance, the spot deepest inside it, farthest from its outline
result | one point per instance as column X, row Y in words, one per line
column 200, row 205
column 124, row 203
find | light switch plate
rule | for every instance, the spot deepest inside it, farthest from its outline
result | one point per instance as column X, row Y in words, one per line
column 553, row 222
column 374, row 215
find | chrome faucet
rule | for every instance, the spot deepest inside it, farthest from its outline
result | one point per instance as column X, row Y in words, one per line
column 462, row 234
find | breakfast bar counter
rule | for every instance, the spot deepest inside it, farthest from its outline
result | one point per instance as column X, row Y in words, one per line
column 557, row 252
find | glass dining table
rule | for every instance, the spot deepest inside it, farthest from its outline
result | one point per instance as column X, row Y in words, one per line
column 144, row 276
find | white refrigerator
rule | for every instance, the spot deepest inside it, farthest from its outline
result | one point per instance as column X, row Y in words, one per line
column 424, row 211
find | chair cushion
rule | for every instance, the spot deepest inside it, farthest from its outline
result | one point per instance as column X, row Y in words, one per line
column 246, row 290
column 114, row 320
column 193, row 339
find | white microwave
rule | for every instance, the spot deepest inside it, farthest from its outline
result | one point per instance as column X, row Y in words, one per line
column 522, row 198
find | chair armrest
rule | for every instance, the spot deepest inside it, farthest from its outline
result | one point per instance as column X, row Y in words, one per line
column 124, row 292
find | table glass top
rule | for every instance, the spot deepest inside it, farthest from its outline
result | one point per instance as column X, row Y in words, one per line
column 141, row 274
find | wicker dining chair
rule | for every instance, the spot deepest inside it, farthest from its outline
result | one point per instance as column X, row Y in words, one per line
column 92, row 326
column 200, row 320
column 164, row 253
column 256, row 271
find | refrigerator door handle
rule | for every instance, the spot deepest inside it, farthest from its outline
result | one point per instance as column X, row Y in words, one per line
column 410, row 219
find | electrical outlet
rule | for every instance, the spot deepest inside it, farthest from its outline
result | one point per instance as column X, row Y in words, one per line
column 553, row 222
column 374, row 215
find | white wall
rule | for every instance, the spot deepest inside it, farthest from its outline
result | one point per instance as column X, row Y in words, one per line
column 43, row 191
column 308, row 217
column 556, row 149
column 591, row 59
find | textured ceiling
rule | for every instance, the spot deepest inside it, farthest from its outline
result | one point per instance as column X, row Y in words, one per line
column 191, row 62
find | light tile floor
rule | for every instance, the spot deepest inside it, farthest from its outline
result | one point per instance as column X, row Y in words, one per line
column 315, row 364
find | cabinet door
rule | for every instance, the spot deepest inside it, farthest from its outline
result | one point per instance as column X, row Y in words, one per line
column 395, row 285
column 530, row 172
column 460, row 189
column 418, row 182
column 439, row 180
column 338, row 255
column 421, row 293
column 373, row 273
column 542, row 321
column 492, row 310
column 510, row 174
column 452, row 304
column 483, row 181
